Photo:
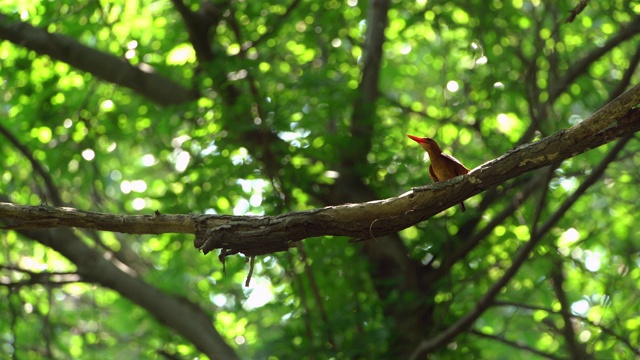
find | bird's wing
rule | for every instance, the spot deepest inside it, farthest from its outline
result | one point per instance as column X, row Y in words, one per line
column 432, row 174
column 460, row 169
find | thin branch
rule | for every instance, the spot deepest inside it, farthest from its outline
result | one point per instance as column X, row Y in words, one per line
column 52, row 190
column 505, row 189
column 631, row 29
column 40, row 281
column 628, row 74
column 557, row 282
column 576, row 11
column 578, row 69
column 39, row 278
column 47, row 328
column 273, row 29
column 472, row 241
column 35, row 273
column 14, row 314
column 462, row 324
column 604, row 329
column 267, row 153
column 315, row 290
column 296, row 280
column 262, row 142
column 515, row 344
column 543, row 196
column 423, row 113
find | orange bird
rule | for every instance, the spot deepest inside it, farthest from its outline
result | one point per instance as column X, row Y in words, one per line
column 443, row 166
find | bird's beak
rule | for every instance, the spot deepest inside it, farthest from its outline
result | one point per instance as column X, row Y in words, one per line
column 416, row 139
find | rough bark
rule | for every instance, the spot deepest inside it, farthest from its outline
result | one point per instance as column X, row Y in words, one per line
column 254, row 235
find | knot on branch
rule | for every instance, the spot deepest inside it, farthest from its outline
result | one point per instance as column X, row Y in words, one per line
column 255, row 236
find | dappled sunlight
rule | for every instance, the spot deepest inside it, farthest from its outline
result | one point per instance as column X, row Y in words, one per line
column 140, row 117
column 260, row 293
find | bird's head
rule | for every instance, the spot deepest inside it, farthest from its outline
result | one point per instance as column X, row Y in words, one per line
column 428, row 144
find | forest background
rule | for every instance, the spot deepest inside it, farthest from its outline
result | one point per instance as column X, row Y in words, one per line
column 145, row 116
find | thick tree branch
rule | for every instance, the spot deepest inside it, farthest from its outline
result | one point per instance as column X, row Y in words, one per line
column 464, row 322
column 254, row 235
column 186, row 318
column 199, row 26
column 150, row 85
column 364, row 105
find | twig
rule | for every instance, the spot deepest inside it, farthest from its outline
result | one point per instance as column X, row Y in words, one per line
column 52, row 190
column 576, row 11
column 223, row 259
column 251, row 266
